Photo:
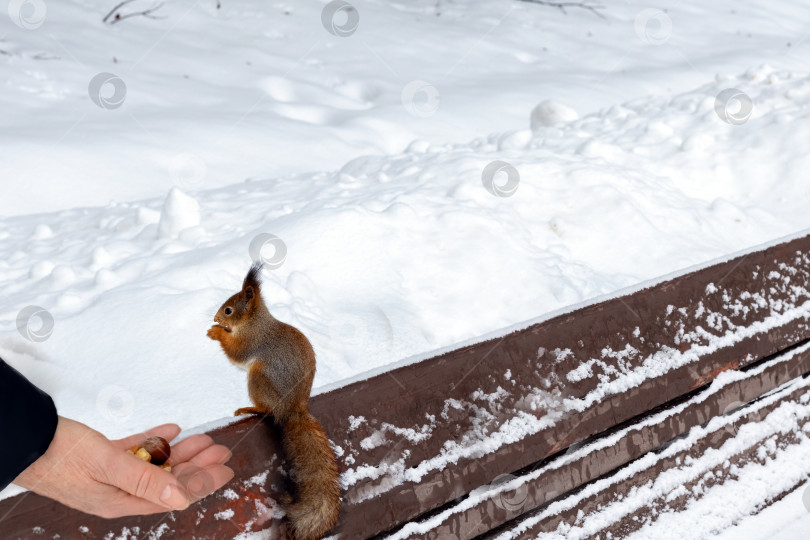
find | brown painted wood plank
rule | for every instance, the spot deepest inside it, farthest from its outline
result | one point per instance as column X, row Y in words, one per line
column 581, row 506
column 555, row 383
column 543, row 482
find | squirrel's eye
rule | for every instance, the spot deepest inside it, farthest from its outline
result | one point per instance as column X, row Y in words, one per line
column 228, row 311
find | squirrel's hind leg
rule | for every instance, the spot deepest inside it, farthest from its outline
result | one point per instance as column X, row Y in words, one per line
column 262, row 392
column 250, row 410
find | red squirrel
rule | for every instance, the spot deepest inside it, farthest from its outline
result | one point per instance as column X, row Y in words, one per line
column 281, row 365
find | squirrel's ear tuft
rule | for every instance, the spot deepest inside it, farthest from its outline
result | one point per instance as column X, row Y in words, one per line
column 253, row 278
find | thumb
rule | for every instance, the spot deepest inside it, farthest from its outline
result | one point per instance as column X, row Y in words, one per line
column 146, row 481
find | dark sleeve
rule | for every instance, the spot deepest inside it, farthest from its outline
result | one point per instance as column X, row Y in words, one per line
column 27, row 423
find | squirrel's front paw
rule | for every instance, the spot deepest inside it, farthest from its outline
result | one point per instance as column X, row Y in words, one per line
column 214, row 332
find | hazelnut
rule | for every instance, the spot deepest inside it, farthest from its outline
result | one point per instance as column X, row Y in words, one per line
column 158, row 448
column 143, row 454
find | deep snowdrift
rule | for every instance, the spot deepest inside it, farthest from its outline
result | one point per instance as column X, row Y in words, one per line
column 261, row 90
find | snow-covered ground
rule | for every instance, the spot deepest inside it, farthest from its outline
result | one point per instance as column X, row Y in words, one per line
column 364, row 154
column 262, row 90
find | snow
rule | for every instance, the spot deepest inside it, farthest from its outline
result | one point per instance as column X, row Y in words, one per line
column 787, row 518
column 131, row 209
column 180, row 212
column 721, row 506
column 225, row 514
column 246, row 91
column 550, row 113
column 230, row 494
column 258, row 535
column 577, row 452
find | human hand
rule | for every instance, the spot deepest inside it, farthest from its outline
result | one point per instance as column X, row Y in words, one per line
column 86, row 471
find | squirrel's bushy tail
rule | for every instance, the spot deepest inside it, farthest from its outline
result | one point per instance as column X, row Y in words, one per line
column 315, row 507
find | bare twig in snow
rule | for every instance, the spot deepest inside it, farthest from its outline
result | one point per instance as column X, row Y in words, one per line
column 562, row 5
column 115, row 15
